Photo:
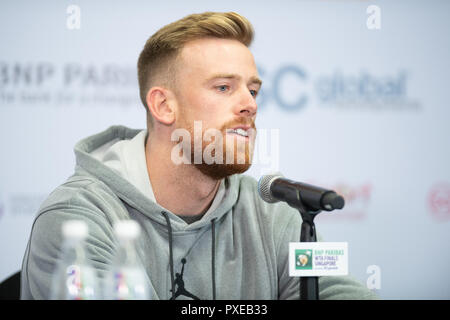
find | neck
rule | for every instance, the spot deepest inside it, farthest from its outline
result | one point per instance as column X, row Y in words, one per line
column 182, row 189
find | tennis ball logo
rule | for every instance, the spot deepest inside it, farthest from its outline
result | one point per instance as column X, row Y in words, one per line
column 303, row 259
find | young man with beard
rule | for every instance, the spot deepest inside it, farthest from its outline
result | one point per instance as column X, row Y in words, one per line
column 202, row 220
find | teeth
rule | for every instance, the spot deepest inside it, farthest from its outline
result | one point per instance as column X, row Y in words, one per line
column 241, row 132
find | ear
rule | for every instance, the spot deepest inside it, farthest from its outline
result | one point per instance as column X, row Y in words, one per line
column 161, row 105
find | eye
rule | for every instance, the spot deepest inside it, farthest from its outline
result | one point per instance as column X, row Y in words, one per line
column 254, row 93
column 223, row 88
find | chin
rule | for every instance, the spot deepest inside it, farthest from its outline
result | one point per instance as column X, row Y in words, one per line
column 221, row 171
column 240, row 163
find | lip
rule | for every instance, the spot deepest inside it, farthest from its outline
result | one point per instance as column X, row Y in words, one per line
column 246, row 128
column 243, row 127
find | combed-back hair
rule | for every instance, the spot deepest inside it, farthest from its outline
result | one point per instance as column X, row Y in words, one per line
column 157, row 59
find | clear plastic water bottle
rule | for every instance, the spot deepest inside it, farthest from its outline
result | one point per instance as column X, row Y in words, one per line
column 74, row 277
column 126, row 279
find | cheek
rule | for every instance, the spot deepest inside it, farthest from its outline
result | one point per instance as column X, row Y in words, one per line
column 205, row 106
column 207, row 101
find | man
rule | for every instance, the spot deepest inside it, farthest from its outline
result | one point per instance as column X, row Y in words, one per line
column 204, row 224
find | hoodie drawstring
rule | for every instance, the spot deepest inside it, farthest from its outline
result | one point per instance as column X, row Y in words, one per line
column 213, row 255
column 169, row 228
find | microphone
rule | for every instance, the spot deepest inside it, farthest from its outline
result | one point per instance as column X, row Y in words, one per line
column 299, row 195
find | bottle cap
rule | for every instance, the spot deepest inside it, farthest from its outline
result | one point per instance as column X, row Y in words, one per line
column 75, row 229
column 128, row 229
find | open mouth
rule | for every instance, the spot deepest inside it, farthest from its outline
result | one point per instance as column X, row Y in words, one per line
column 239, row 131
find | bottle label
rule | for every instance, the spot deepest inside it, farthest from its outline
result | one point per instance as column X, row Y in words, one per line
column 80, row 282
column 130, row 284
column 73, row 282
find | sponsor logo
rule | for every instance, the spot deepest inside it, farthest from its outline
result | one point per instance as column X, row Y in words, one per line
column 291, row 87
column 357, row 200
column 318, row 259
column 439, row 201
column 303, row 259
column 69, row 75
column 68, row 84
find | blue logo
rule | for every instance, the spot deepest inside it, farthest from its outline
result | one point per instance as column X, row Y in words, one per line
column 337, row 89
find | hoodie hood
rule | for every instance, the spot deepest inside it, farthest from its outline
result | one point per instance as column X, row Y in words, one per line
column 103, row 156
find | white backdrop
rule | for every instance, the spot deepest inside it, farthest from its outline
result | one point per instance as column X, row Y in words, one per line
column 361, row 110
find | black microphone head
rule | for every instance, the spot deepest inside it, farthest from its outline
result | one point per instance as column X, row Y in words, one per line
column 264, row 184
column 332, row 200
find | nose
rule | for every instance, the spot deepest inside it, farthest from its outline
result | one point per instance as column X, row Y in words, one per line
column 247, row 105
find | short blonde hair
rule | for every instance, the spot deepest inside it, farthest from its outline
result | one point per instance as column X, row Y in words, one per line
column 157, row 59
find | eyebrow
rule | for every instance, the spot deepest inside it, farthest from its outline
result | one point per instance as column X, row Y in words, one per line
column 253, row 79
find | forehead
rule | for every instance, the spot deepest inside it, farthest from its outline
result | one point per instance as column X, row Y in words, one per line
column 208, row 56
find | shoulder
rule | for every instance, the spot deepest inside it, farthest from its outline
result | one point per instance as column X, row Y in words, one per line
column 82, row 193
column 79, row 198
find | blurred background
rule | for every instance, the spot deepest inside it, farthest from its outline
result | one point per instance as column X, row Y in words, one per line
column 355, row 98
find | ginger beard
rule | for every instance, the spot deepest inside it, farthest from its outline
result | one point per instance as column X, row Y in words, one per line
column 236, row 151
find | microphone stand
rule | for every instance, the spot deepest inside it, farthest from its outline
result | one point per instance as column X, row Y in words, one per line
column 309, row 286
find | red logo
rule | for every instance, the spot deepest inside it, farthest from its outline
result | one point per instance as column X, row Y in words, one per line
column 357, row 199
column 438, row 201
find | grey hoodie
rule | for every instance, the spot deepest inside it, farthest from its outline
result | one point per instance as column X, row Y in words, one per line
column 237, row 250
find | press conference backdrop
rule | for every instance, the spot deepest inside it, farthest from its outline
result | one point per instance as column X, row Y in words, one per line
column 355, row 98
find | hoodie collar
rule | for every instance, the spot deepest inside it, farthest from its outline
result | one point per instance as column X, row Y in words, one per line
column 88, row 158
